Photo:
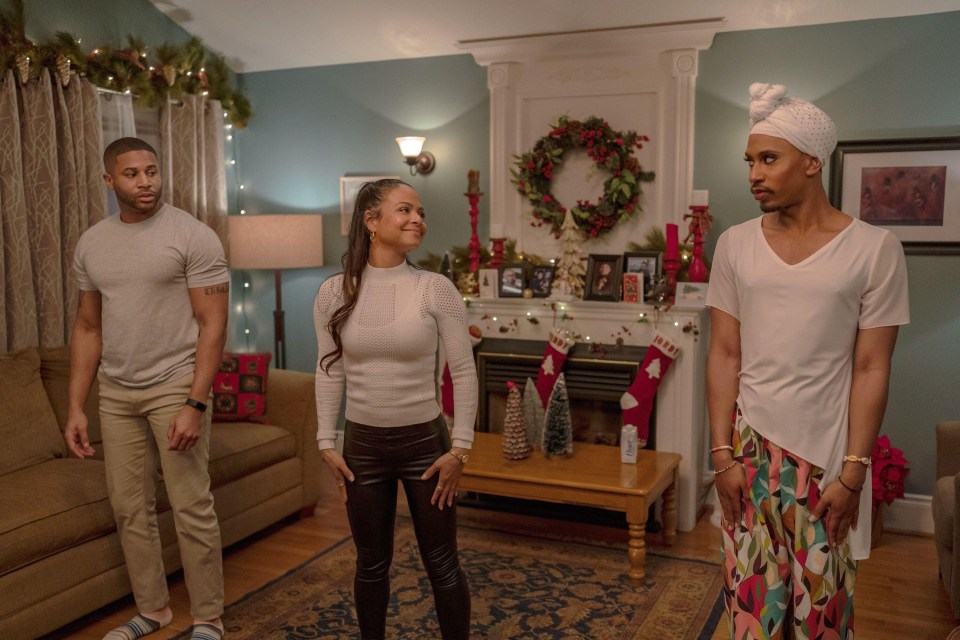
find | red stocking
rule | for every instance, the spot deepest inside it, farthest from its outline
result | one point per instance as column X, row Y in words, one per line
column 637, row 402
column 552, row 363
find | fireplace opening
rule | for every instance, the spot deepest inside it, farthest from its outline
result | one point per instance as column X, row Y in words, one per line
column 596, row 379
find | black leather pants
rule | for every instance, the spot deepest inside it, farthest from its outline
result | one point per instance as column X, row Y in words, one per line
column 378, row 457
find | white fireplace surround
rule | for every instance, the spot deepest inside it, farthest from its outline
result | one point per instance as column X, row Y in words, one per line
column 681, row 424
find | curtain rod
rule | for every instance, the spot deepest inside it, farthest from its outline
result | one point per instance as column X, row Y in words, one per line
column 113, row 92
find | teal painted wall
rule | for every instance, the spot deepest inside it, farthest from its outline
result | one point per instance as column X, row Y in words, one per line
column 101, row 22
column 878, row 79
column 313, row 126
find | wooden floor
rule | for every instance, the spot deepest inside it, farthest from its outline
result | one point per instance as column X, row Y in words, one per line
column 898, row 597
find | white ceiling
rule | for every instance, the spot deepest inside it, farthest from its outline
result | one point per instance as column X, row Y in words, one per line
column 259, row 35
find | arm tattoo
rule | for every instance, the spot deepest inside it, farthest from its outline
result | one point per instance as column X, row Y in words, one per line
column 214, row 290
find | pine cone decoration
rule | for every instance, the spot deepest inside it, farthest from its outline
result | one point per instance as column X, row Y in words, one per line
column 169, row 74
column 23, row 66
column 63, row 69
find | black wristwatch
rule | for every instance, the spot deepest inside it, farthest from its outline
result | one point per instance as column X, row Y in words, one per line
column 196, row 404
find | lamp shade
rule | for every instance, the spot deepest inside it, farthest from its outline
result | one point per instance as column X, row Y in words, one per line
column 276, row 241
column 410, row 146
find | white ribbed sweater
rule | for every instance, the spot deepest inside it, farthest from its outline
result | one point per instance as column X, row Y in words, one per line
column 390, row 346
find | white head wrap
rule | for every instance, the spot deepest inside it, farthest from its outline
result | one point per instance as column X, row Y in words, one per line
column 801, row 123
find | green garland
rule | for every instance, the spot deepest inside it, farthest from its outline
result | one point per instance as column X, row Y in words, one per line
column 610, row 150
column 170, row 73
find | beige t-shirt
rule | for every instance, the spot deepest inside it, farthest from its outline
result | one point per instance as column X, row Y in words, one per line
column 142, row 272
column 798, row 328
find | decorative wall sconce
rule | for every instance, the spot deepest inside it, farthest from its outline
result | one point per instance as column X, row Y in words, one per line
column 421, row 162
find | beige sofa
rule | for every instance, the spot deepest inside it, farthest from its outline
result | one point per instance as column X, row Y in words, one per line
column 60, row 555
column 946, row 510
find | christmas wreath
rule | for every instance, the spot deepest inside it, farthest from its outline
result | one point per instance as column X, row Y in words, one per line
column 610, row 150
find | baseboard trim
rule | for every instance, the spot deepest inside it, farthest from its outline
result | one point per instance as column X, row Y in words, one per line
column 910, row 514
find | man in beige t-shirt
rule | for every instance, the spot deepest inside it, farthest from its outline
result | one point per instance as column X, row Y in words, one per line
column 151, row 323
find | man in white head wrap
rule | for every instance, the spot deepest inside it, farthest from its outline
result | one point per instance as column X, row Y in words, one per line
column 805, row 307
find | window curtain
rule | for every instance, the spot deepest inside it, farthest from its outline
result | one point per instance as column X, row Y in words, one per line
column 117, row 121
column 191, row 149
column 50, row 193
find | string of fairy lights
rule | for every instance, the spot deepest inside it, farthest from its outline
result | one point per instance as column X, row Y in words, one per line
column 239, row 189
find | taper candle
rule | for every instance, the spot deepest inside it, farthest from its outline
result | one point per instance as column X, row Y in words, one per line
column 672, row 252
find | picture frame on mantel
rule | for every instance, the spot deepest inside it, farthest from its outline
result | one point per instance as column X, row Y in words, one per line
column 349, row 186
column 910, row 186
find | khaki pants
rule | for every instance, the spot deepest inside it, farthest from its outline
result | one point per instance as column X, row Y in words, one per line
column 134, row 425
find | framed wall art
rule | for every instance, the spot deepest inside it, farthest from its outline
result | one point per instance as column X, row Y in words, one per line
column 349, row 185
column 909, row 186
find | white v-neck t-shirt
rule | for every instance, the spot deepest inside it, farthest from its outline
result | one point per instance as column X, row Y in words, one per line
column 798, row 329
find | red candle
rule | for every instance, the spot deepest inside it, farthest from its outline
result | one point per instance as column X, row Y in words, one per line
column 672, row 252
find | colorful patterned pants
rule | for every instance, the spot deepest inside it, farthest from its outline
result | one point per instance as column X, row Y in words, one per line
column 781, row 579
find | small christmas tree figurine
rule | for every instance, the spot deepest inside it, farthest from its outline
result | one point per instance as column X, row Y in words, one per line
column 557, row 423
column 533, row 414
column 446, row 267
column 515, row 445
column 570, row 269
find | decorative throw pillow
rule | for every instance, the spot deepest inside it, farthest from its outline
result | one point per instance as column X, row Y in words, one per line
column 240, row 388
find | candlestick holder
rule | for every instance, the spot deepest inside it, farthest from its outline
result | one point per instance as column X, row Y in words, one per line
column 474, row 244
column 496, row 252
column 699, row 224
column 670, row 268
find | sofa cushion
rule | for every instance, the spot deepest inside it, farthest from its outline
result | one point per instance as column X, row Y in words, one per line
column 240, row 388
column 944, row 507
column 55, row 373
column 28, row 426
column 240, row 448
column 49, row 507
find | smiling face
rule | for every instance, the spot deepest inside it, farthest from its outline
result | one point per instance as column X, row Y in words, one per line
column 135, row 179
column 779, row 174
column 399, row 224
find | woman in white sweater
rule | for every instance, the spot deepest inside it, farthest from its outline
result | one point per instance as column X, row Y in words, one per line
column 379, row 324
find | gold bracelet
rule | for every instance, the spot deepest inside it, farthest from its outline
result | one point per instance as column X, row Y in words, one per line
column 723, row 447
column 852, row 458
column 726, row 468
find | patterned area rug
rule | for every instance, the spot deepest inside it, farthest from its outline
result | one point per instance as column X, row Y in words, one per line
column 522, row 587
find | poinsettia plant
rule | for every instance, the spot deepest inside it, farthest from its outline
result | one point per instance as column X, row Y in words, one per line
column 889, row 471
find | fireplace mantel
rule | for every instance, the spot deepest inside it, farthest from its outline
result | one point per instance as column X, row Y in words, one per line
column 681, row 424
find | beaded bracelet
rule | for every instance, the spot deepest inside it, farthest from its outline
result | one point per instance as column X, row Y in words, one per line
column 723, row 447
column 852, row 458
column 726, row 468
column 848, row 487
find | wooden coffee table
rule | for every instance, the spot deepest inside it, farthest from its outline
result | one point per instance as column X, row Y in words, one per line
column 593, row 476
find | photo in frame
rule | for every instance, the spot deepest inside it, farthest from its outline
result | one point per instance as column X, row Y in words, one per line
column 649, row 263
column 349, row 186
column 909, row 186
column 541, row 283
column 690, row 295
column 510, row 282
column 489, row 280
column 603, row 277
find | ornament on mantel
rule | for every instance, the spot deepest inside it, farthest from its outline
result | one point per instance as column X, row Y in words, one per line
column 467, row 283
column 515, row 445
column 568, row 285
column 557, row 423
column 63, row 69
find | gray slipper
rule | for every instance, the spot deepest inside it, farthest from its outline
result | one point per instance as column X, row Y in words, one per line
column 205, row 631
column 138, row 627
